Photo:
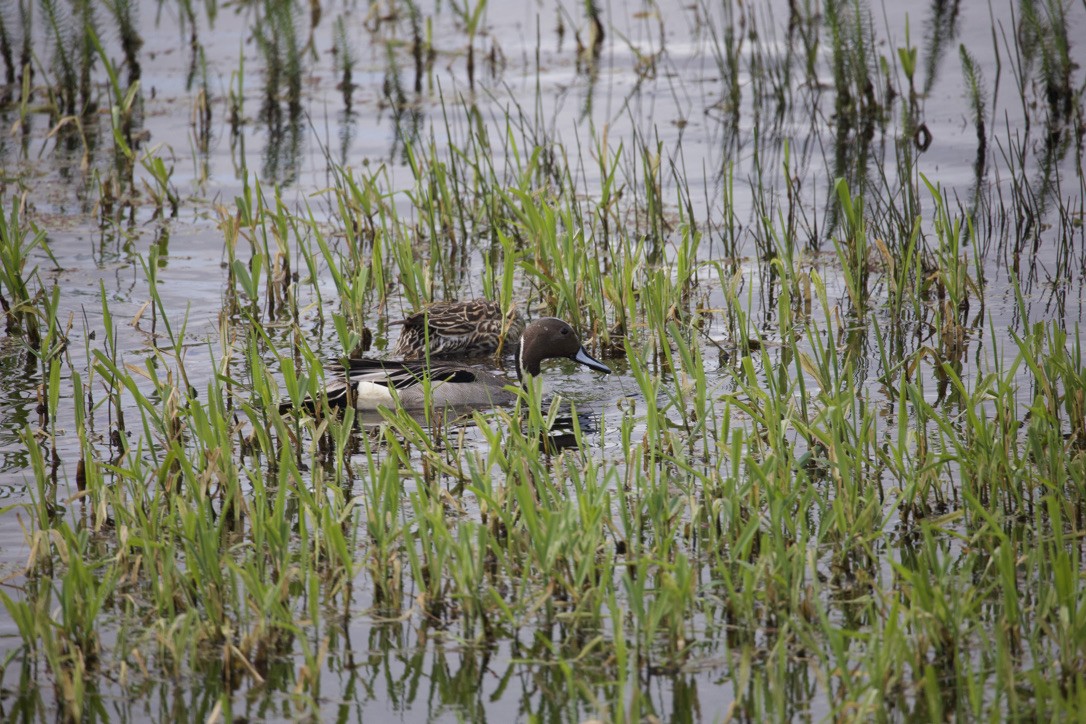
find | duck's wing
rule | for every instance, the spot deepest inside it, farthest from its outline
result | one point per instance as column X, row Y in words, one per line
column 403, row 374
column 369, row 383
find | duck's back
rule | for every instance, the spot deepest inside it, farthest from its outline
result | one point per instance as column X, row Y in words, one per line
column 464, row 329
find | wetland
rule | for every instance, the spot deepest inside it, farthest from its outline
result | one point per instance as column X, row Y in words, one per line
column 832, row 251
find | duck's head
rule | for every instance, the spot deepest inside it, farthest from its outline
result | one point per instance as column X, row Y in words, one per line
column 551, row 338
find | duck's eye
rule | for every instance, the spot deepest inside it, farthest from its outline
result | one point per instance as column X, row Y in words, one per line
column 565, row 330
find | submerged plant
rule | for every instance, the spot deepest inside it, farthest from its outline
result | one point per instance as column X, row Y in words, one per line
column 125, row 15
column 1043, row 32
column 279, row 41
column 978, row 104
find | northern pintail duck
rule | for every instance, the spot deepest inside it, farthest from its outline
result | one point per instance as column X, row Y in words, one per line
column 468, row 329
column 371, row 383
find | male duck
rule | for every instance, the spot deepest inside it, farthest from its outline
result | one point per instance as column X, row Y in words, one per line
column 468, row 329
column 369, row 383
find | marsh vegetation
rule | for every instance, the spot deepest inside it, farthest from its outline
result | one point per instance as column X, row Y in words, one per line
column 833, row 251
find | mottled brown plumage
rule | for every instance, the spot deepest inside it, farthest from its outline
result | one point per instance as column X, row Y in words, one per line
column 459, row 329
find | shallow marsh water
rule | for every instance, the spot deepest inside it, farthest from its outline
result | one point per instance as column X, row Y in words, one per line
column 733, row 121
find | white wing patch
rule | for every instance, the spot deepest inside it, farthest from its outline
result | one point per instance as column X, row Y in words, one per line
column 370, row 395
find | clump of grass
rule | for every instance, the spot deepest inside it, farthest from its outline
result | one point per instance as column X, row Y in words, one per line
column 781, row 488
column 162, row 191
column 853, row 251
column 123, row 99
column 18, row 240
